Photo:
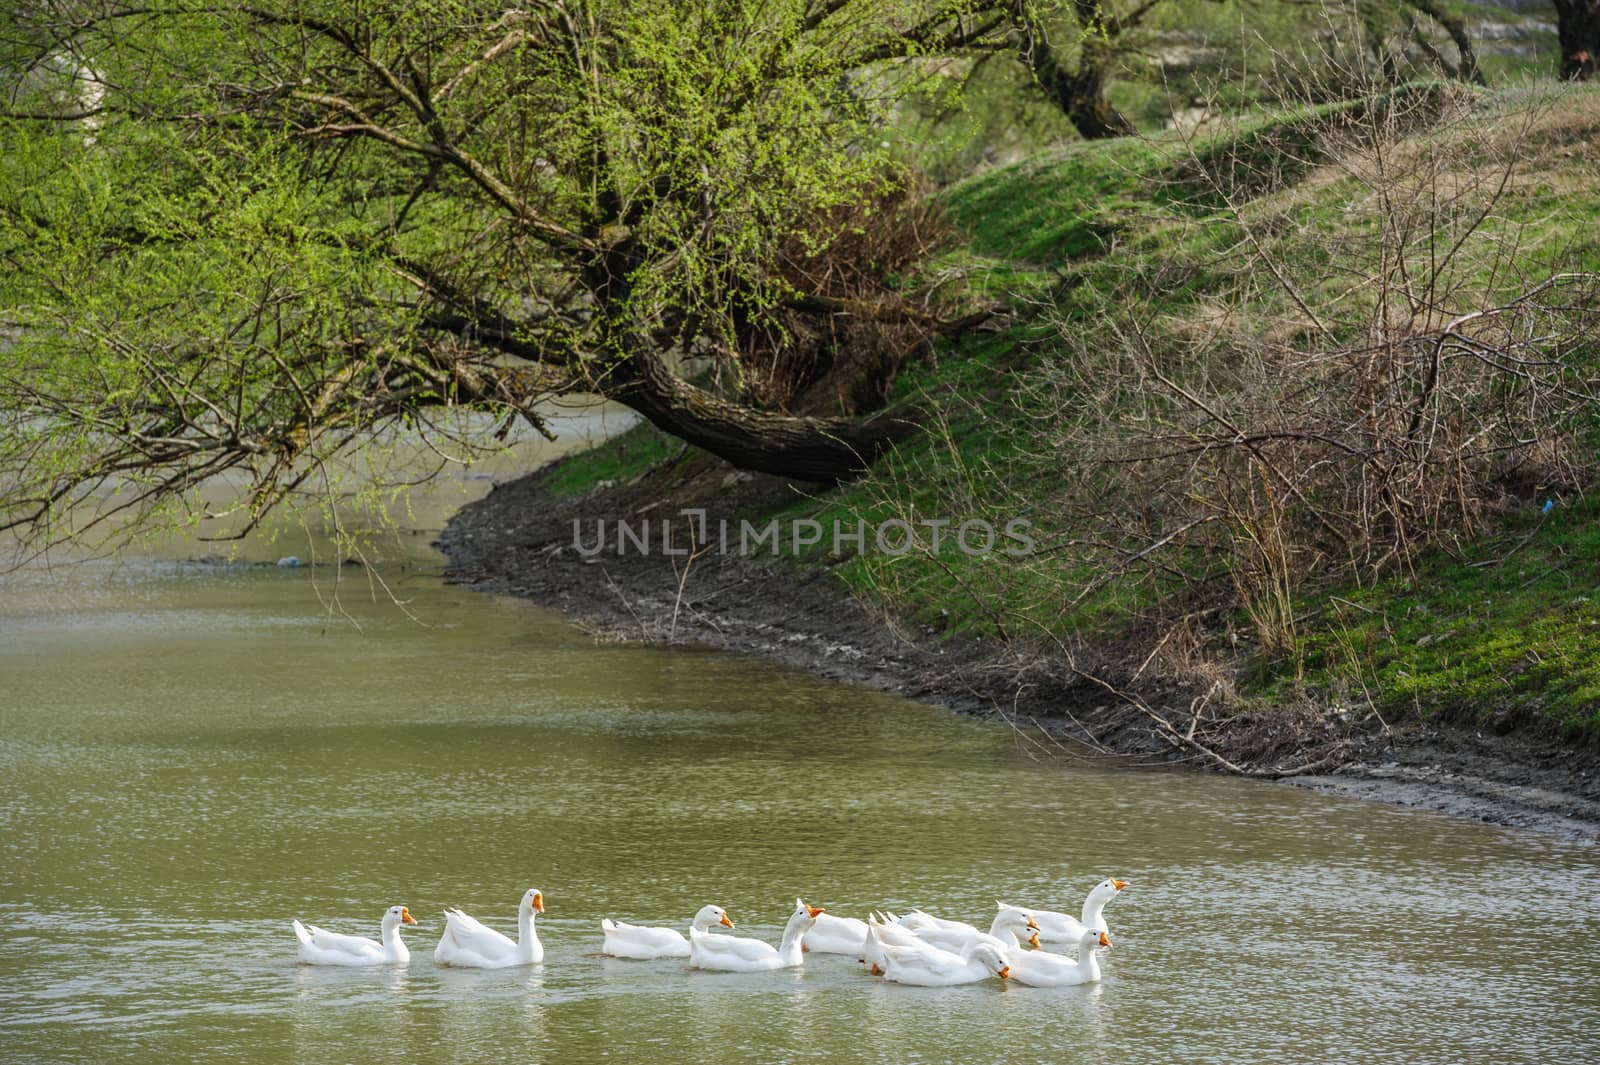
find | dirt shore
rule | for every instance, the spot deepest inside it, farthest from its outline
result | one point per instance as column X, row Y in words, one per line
column 519, row 540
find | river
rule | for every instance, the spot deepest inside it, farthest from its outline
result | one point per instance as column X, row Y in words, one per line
column 194, row 754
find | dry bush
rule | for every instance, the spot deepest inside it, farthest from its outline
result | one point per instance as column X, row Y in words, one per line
column 836, row 348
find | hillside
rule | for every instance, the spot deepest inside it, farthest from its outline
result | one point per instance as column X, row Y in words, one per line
column 1299, row 412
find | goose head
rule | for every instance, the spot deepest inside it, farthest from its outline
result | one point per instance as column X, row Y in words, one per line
column 710, row 915
column 1092, row 939
column 872, row 947
column 532, row 902
column 992, row 958
column 1017, row 921
column 801, row 920
column 1108, row 888
column 395, row 916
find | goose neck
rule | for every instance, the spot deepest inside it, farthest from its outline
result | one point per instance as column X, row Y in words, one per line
column 393, row 945
column 1003, row 930
column 1094, row 908
column 527, row 937
column 790, row 948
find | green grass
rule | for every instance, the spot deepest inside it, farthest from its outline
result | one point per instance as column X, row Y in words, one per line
column 620, row 458
column 1064, row 204
column 1510, row 631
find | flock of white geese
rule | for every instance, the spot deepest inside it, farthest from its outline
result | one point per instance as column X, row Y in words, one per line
column 917, row 948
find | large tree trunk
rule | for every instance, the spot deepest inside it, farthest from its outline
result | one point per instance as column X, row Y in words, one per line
column 1578, row 26
column 629, row 367
column 1455, row 27
column 636, row 374
column 1080, row 93
column 824, row 450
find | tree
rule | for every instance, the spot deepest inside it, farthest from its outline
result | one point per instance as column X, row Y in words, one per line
column 1578, row 28
column 1075, row 81
column 244, row 235
column 1465, row 68
column 1073, row 46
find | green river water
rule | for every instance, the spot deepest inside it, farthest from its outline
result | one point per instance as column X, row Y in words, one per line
column 192, row 755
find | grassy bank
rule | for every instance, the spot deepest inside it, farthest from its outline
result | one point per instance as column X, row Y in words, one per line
column 1283, row 403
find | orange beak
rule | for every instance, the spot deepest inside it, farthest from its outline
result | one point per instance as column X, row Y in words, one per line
column 1033, row 924
column 875, row 970
column 1003, row 973
column 538, row 901
column 1105, row 940
column 726, row 923
column 1119, row 884
column 815, row 911
column 1033, row 941
column 405, row 916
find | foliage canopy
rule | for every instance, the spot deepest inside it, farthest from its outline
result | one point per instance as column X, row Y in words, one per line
column 244, row 234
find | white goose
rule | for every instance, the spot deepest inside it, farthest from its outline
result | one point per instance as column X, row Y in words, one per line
column 836, row 935
column 472, row 945
column 927, row 966
column 1042, row 969
column 319, row 947
column 957, row 936
column 1064, row 928
column 738, row 954
column 882, row 929
column 642, row 943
